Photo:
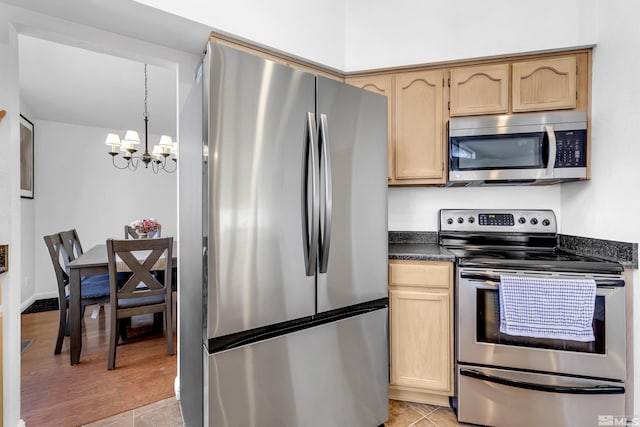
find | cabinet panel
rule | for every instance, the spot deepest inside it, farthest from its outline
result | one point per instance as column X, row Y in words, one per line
column 419, row 125
column 382, row 85
column 482, row 89
column 420, row 337
column 433, row 274
column 545, row 84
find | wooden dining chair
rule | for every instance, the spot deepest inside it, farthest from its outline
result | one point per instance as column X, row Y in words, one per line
column 142, row 293
column 130, row 232
column 94, row 289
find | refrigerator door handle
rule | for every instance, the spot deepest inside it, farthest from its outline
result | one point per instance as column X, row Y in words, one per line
column 310, row 214
column 325, row 160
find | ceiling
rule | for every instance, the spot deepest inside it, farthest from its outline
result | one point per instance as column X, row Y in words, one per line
column 71, row 84
column 67, row 84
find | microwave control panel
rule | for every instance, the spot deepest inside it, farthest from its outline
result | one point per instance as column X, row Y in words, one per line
column 571, row 149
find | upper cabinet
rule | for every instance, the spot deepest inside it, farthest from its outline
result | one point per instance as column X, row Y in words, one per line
column 481, row 89
column 547, row 84
column 550, row 83
column 416, row 124
column 419, row 126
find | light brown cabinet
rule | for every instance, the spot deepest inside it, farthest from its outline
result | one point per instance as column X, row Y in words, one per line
column 416, row 124
column 480, row 89
column 546, row 84
column 421, row 331
column 512, row 87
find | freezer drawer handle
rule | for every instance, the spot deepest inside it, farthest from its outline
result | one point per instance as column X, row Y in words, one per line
column 598, row 389
column 325, row 160
column 310, row 223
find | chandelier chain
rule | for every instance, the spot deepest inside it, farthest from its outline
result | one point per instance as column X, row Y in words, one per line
column 146, row 95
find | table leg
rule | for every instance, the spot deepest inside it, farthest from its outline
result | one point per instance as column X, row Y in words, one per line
column 75, row 331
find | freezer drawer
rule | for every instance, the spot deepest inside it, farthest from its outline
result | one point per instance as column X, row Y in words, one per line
column 335, row 374
column 500, row 397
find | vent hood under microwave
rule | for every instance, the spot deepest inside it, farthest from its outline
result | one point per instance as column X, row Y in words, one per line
column 518, row 149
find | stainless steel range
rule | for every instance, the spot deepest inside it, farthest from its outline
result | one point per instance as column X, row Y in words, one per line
column 529, row 378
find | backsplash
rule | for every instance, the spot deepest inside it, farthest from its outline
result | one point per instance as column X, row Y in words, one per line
column 623, row 252
column 413, row 237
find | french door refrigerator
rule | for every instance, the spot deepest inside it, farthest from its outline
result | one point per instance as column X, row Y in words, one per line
column 295, row 247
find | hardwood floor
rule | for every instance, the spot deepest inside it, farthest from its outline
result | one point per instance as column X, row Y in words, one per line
column 54, row 393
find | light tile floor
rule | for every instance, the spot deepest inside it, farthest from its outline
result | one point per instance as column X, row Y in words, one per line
column 409, row 414
column 166, row 413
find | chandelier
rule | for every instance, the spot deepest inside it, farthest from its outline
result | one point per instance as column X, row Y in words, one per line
column 159, row 156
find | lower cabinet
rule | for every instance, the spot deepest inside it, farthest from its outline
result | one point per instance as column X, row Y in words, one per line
column 421, row 331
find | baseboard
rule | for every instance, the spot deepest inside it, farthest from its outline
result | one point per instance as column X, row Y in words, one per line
column 35, row 297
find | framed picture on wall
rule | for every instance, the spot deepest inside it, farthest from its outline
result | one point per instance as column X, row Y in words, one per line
column 26, row 158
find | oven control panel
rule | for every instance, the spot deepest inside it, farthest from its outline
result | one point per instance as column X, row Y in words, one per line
column 498, row 220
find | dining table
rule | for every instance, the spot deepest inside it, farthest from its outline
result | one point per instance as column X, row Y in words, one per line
column 92, row 262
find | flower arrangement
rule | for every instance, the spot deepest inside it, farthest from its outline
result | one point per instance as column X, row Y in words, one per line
column 145, row 226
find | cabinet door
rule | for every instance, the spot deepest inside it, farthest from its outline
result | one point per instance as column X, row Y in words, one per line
column 482, row 89
column 419, row 127
column 382, row 85
column 420, row 332
column 547, row 84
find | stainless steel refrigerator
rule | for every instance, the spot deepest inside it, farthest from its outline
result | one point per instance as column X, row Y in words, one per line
column 295, row 247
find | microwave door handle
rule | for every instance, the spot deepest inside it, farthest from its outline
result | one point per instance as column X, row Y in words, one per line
column 551, row 160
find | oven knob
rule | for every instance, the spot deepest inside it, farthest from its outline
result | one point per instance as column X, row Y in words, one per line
column 471, row 219
column 521, row 220
column 460, row 220
column 546, row 222
column 534, row 221
column 449, row 220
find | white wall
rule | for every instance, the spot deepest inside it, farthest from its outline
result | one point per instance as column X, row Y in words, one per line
column 309, row 29
column 416, row 208
column 78, row 187
column 405, row 32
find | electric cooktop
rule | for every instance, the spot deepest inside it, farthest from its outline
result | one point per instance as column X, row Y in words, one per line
column 512, row 239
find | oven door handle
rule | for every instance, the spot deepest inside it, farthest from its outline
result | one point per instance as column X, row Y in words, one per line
column 599, row 389
column 490, row 279
column 494, row 279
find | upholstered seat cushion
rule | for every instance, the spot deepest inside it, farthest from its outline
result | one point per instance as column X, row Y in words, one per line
column 93, row 288
column 136, row 302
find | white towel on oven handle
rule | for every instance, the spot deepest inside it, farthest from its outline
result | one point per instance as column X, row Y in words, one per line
column 547, row 307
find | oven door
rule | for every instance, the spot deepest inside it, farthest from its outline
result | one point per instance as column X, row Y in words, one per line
column 480, row 341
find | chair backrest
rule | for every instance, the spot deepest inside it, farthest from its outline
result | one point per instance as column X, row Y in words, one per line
column 71, row 245
column 55, row 246
column 140, row 257
column 131, row 232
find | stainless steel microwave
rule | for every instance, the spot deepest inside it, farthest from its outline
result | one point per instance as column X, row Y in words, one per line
column 531, row 148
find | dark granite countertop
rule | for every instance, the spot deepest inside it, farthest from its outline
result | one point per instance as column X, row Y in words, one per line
column 420, row 251
column 417, row 245
column 423, row 245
